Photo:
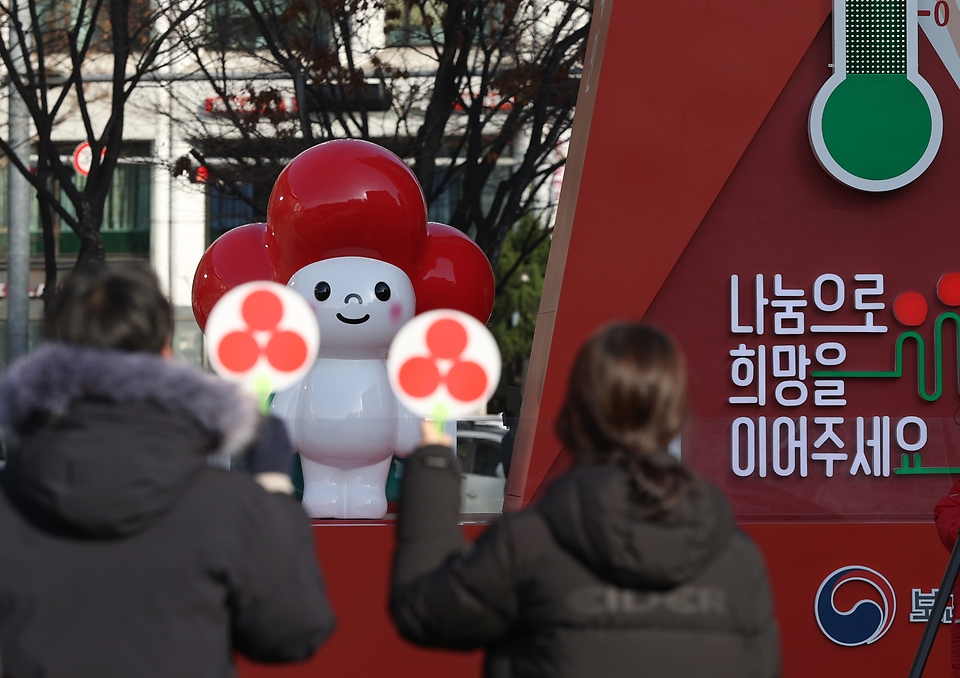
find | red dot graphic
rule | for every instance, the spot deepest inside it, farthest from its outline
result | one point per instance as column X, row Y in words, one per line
column 948, row 289
column 262, row 310
column 446, row 339
column 910, row 309
column 466, row 381
column 419, row 377
column 287, row 351
column 238, row 351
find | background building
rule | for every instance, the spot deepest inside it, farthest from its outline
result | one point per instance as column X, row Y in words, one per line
column 478, row 97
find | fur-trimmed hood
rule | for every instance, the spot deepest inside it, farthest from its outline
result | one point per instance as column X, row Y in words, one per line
column 104, row 442
column 55, row 376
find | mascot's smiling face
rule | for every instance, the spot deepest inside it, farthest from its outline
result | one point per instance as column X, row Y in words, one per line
column 359, row 302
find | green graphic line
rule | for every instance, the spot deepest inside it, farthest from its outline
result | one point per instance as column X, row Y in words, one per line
column 917, row 468
column 897, row 370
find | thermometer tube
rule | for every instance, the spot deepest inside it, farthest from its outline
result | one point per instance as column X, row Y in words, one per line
column 876, row 124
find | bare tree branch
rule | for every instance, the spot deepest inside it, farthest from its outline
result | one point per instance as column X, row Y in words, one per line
column 136, row 35
column 481, row 96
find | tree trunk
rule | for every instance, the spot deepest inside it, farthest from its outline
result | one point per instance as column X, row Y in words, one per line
column 452, row 66
column 49, row 253
column 92, row 250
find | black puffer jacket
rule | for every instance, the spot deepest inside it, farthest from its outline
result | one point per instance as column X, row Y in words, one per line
column 123, row 552
column 584, row 584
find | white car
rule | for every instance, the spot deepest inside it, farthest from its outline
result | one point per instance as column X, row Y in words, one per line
column 481, row 461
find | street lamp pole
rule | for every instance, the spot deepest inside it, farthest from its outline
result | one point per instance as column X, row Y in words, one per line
column 18, row 197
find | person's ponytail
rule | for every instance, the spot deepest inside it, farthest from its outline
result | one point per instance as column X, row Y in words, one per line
column 626, row 401
column 657, row 481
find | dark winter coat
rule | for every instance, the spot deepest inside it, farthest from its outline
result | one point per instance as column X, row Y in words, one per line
column 123, row 551
column 587, row 583
column 946, row 514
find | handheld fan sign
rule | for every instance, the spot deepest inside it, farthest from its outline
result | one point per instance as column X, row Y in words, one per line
column 443, row 364
column 264, row 336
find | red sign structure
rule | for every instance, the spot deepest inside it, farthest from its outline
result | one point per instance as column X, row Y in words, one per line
column 819, row 321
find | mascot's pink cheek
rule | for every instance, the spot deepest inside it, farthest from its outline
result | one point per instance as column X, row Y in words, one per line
column 396, row 312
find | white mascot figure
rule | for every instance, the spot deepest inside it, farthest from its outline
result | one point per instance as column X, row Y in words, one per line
column 347, row 229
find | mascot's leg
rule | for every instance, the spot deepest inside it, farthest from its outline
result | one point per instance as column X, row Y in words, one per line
column 364, row 490
column 323, row 488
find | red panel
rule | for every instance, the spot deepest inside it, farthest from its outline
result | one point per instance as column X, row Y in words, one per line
column 356, row 557
column 799, row 558
column 682, row 91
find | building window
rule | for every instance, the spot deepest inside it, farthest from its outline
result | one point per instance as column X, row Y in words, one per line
column 126, row 219
column 126, row 214
column 227, row 210
column 445, row 203
column 231, row 26
column 300, row 26
column 58, row 18
column 413, row 23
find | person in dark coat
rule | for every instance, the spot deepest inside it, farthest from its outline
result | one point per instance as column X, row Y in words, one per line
column 123, row 550
column 630, row 565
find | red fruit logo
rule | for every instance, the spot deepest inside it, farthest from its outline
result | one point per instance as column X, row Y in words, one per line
column 948, row 289
column 239, row 350
column 421, row 376
column 910, row 309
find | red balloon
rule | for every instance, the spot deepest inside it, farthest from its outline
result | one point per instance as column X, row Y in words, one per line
column 345, row 198
column 454, row 273
column 236, row 257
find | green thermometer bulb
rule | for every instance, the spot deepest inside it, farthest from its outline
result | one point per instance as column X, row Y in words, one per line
column 876, row 124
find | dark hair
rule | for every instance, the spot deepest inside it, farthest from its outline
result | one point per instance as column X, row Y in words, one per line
column 625, row 402
column 117, row 306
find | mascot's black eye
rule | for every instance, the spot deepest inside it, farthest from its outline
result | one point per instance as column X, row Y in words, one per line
column 322, row 291
column 382, row 290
